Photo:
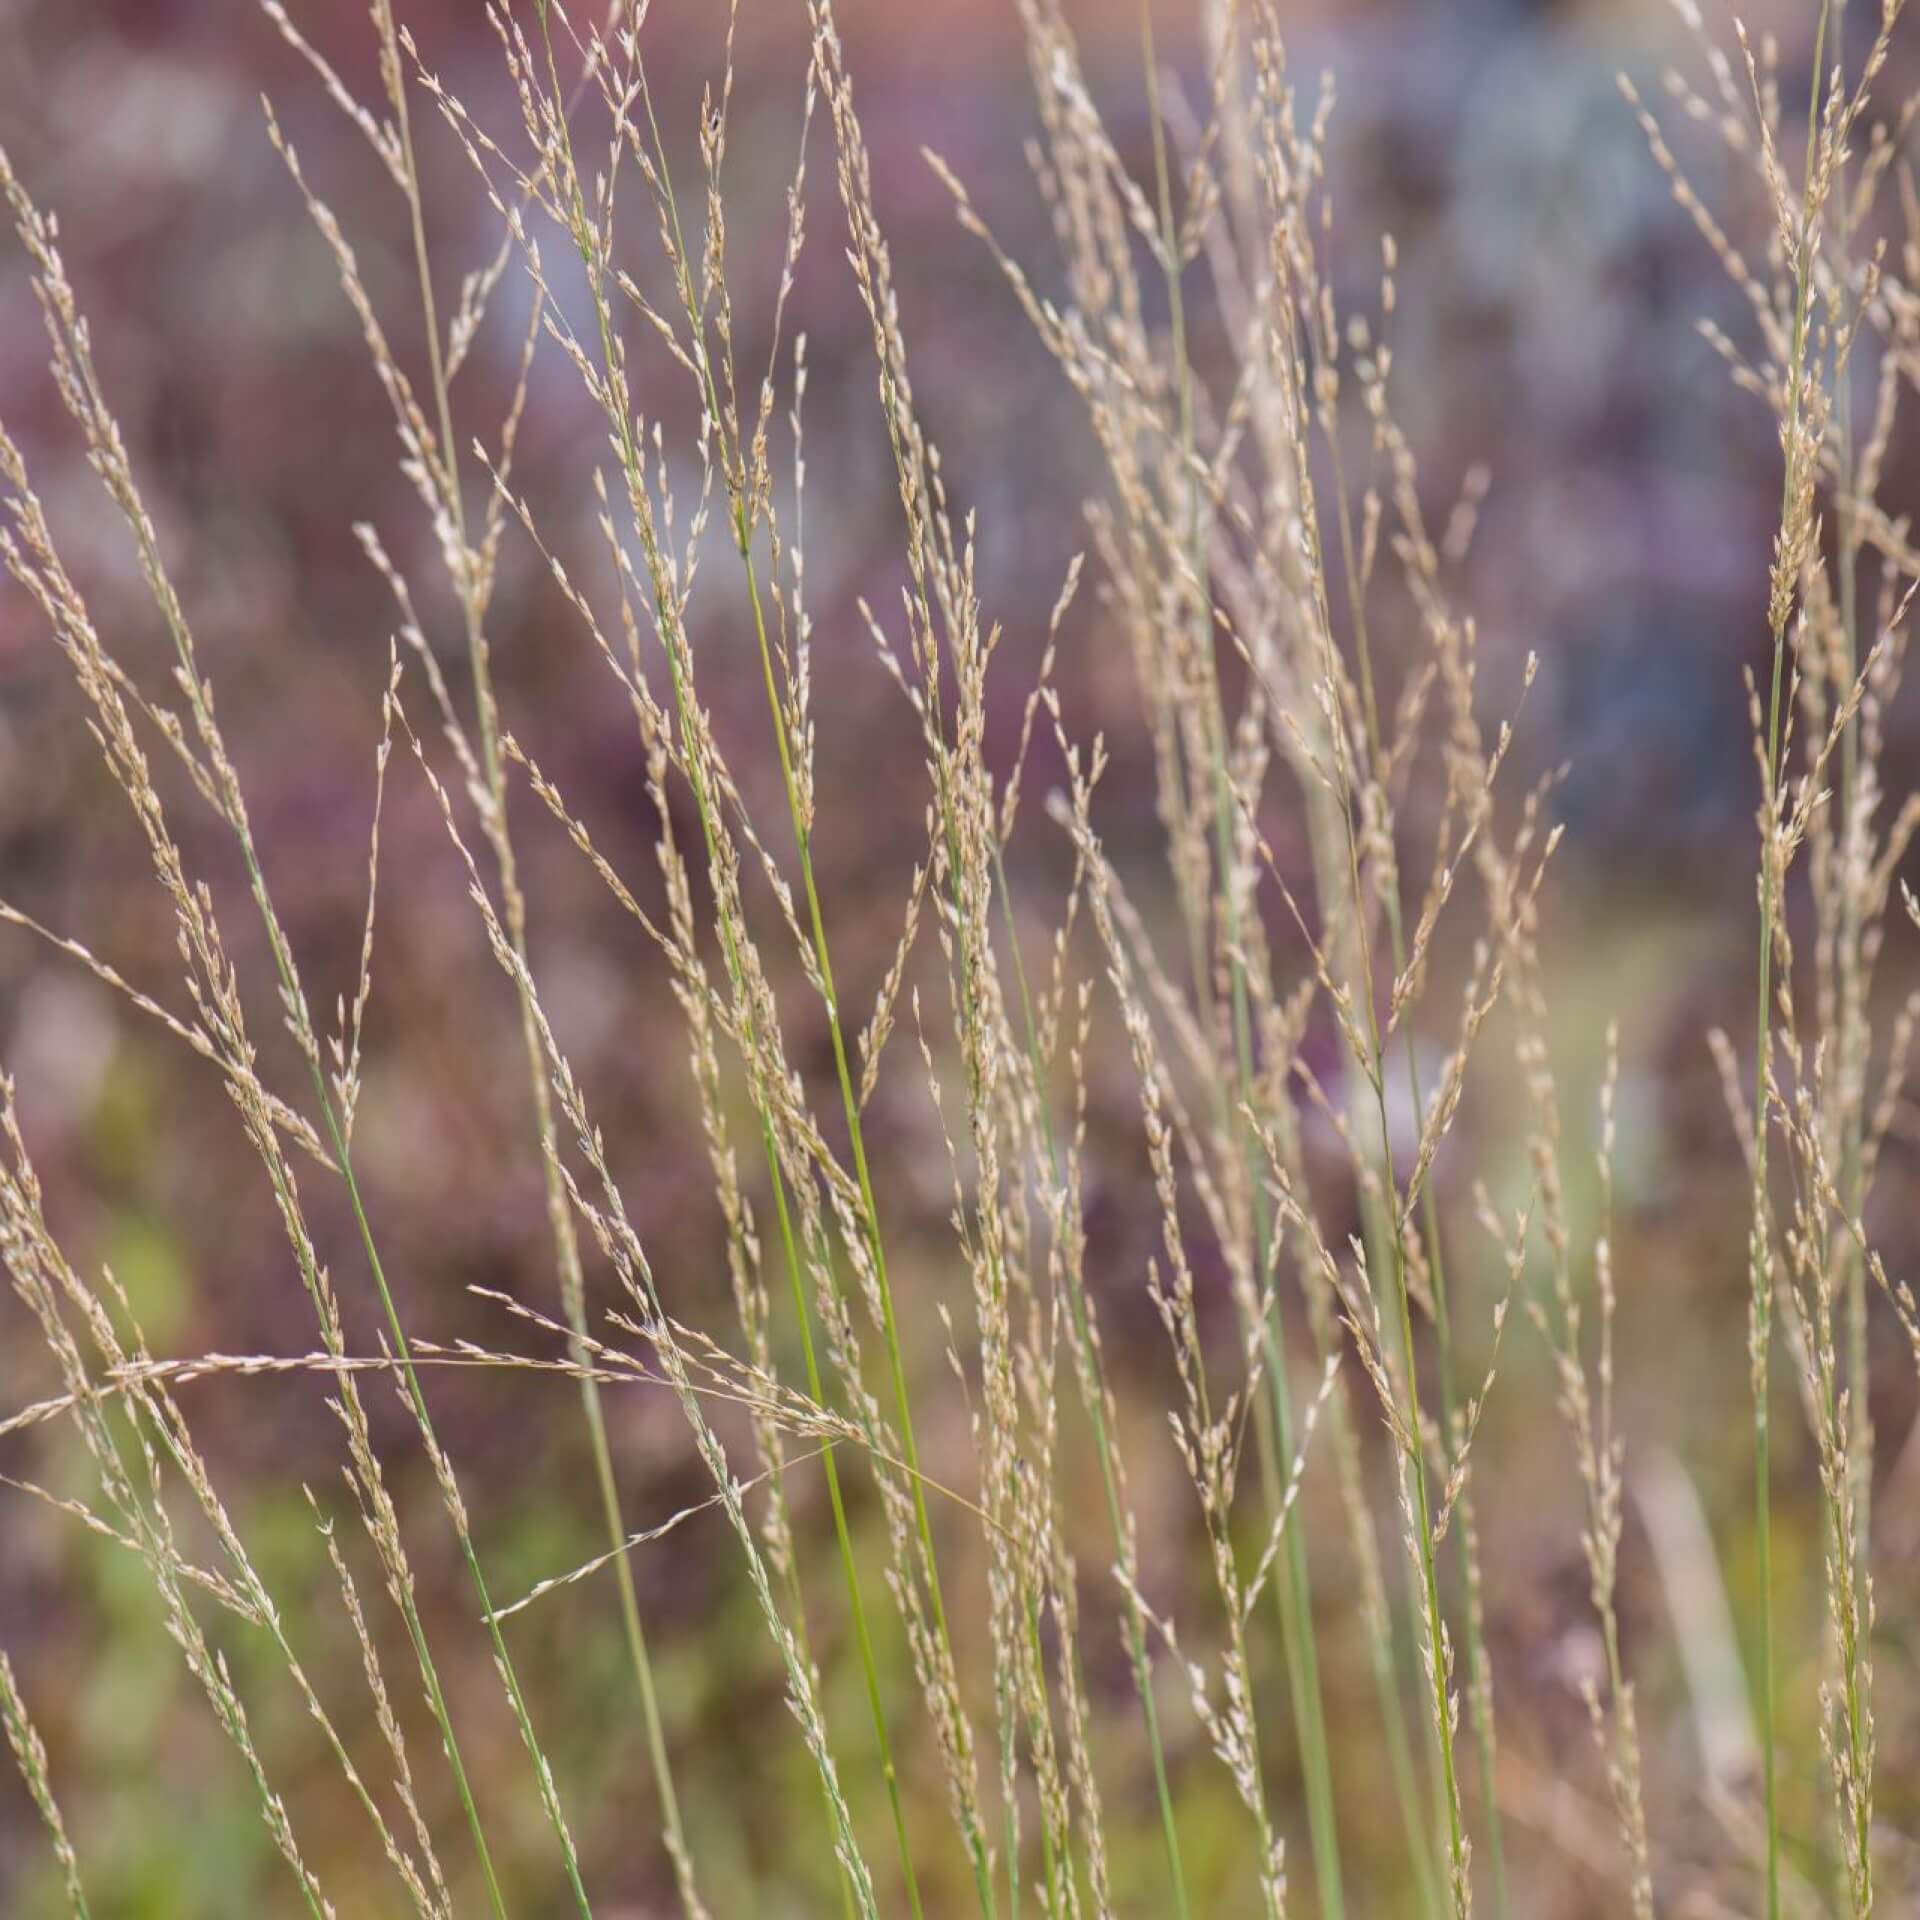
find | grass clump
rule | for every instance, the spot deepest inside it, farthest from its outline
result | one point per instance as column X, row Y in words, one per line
column 1297, row 1029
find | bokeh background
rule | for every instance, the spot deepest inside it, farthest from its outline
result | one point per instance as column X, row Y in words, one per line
column 1549, row 298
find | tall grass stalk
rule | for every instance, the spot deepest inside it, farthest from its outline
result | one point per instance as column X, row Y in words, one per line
column 1096, row 1401
column 1795, row 533
column 468, row 584
column 1326, row 386
column 1274, row 1418
column 471, row 572
column 30, row 1754
column 1413, row 1450
column 219, row 784
column 617, row 1239
column 696, row 758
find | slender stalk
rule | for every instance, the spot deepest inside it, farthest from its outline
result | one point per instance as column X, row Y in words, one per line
column 978, row 1851
column 803, row 1319
column 1855, row 1804
column 1760, row 1336
column 1479, row 1690
column 869, row 1666
column 1274, row 1418
column 88, row 402
column 1852, row 1545
column 693, row 759
column 559, row 1211
column 1853, row 1034
column 1760, row 1257
column 1325, row 835
column 1412, row 1451
column 850, row 1107
column 417, row 1397
column 742, row 528
column 1371, row 1061
column 31, row 1757
column 1093, row 1399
